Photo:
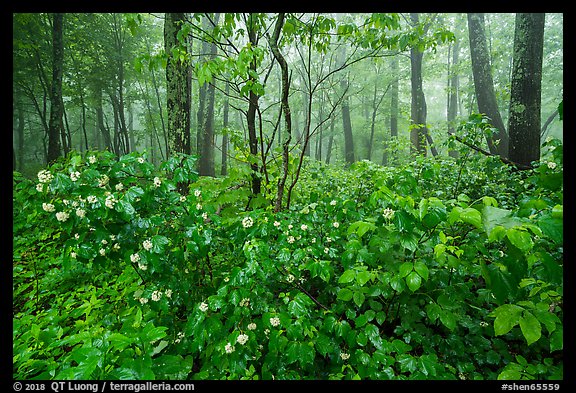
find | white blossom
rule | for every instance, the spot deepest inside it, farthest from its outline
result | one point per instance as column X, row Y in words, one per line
column 252, row 326
column 116, row 246
column 291, row 239
column 551, row 165
column 110, row 201
column 141, row 160
column 80, row 213
column 345, row 356
column 388, row 213
column 335, row 224
column 62, row 216
column 182, row 198
column 242, row 339
column 143, row 300
column 244, row 302
column 74, row 176
column 103, row 180
column 48, row 207
column 142, row 266
column 147, row 244
column 276, row 224
column 156, row 295
column 205, row 216
column 102, row 251
column 76, row 236
column 290, row 226
column 119, row 187
column 44, row 176
column 247, row 222
column 157, row 181
column 290, row 278
column 168, row 293
column 92, row 159
column 229, row 348
column 203, row 307
column 135, row 258
column 39, row 187
column 92, row 199
column 198, row 206
column 326, row 250
column 274, row 321
column 73, row 255
column 197, row 193
column 304, row 227
column 333, row 202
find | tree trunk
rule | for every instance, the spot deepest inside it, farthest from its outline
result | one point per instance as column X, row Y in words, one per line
column 453, row 87
column 484, row 84
column 20, row 130
column 226, row 109
column 206, row 164
column 418, row 106
column 56, row 107
column 393, row 110
column 525, row 94
column 251, row 113
column 177, row 88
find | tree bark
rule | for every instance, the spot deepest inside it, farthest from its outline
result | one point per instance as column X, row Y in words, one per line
column 177, row 88
column 525, row 94
column 251, row 113
column 225, row 114
column 56, row 107
column 484, row 84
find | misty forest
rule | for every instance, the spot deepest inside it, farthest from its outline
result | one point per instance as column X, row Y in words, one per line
column 288, row 196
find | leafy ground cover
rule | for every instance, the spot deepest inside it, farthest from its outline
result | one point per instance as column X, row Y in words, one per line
column 435, row 269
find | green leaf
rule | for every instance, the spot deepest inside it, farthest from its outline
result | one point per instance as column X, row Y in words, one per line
column 158, row 243
column 405, row 269
column 448, row 319
column 471, row 216
column 347, row 276
column 413, row 280
column 345, row 294
column 433, row 311
column 530, row 326
column 361, row 227
column 421, row 269
column 521, row 239
column 557, row 339
column 363, row 277
column 507, row 316
column 359, row 298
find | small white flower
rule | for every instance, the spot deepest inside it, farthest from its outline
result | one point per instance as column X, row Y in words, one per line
column 62, row 216
column 65, row 202
column 80, row 213
column 197, row 193
column 501, row 253
column 103, row 181
column 157, row 181
column 142, row 266
column 205, row 216
column 198, row 206
column 92, row 199
column 276, row 224
column 290, row 226
column 242, row 339
column 74, row 176
column 141, row 160
column 110, row 201
column 76, row 236
column 266, row 331
column 102, row 251
column 44, row 176
column 92, row 159
column 73, row 255
column 203, row 307
column 135, row 258
column 291, row 239
column 333, row 202
column 119, row 187
column 112, row 237
column 551, row 165
column 182, row 198
column 335, row 224
column 252, row 326
column 388, row 213
column 104, row 241
column 156, row 295
column 313, row 240
column 226, row 279
column 39, row 187
column 74, row 204
column 244, row 302
column 229, row 348
column 143, row 300
column 147, row 244
column 345, row 356
column 326, row 250
column 247, row 222
column 290, row 278
column 48, row 207
column 329, row 239
column 483, row 324
column 168, row 293
column 116, row 246
column 304, row 227
column 275, row 321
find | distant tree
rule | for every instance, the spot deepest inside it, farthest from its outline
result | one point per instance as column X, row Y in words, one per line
column 56, row 104
column 484, row 84
column 525, row 95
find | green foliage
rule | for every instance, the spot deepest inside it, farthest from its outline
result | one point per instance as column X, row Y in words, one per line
column 374, row 272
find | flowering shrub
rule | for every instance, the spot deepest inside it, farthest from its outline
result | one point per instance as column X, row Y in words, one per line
column 376, row 274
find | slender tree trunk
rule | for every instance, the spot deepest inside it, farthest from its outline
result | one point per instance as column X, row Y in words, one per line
column 20, row 131
column 393, row 110
column 484, row 84
column 56, row 108
column 330, row 142
column 226, row 109
column 206, row 164
column 453, row 92
column 251, row 113
column 525, row 94
column 100, row 121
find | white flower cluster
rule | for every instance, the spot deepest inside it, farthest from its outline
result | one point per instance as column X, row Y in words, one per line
column 345, row 356
column 180, row 335
column 290, row 278
column 92, row 159
column 80, row 213
column 229, row 348
column 252, row 326
column 388, row 213
column 304, row 227
column 551, row 165
column 119, row 187
column 110, row 201
column 92, row 199
column 333, row 202
column 203, row 307
column 44, row 176
column 276, row 224
column 62, row 216
column 103, row 180
column 244, row 302
column 247, row 222
column 147, row 244
column 197, row 193
column 141, row 160
column 157, row 181
column 242, row 339
column 48, row 207
column 275, row 321
column 74, row 176
column 156, row 296
column 335, row 224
